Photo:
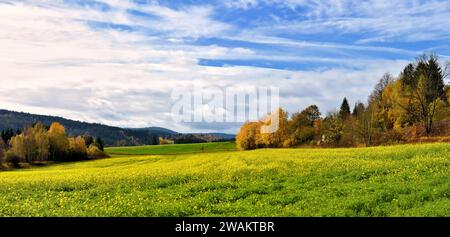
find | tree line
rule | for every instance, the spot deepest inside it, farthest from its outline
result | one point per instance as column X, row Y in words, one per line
column 412, row 107
column 39, row 144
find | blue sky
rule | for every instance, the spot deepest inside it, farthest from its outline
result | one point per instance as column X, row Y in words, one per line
column 115, row 61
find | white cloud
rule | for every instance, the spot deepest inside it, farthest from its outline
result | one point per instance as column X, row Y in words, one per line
column 379, row 20
column 53, row 63
column 192, row 22
column 245, row 4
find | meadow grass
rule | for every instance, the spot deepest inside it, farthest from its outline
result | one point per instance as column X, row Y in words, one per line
column 403, row 180
column 173, row 149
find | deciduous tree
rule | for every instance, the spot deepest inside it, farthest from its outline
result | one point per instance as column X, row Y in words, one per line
column 77, row 148
column 59, row 144
column 301, row 125
column 249, row 136
column 277, row 138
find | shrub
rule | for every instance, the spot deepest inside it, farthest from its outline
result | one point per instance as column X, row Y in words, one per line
column 163, row 141
column 93, row 152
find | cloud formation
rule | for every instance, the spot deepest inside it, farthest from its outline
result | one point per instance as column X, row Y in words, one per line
column 116, row 61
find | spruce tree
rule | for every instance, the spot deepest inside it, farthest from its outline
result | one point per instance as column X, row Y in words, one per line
column 344, row 113
column 99, row 143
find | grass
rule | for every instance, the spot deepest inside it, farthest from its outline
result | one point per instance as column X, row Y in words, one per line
column 404, row 180
column 173, row 149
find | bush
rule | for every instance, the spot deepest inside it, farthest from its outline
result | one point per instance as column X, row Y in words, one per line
column 163, row 141
column 389, row 137
column 393, row 137
column 93, row 152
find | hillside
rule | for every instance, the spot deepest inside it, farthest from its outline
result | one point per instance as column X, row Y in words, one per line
column 158, row 130
column 111, row 135
column 404, row 180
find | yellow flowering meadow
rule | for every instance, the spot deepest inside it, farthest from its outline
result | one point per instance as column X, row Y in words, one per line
column 403, row 180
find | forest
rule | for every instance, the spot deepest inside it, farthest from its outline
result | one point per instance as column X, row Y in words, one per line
column 412, row 107
column 38, row 144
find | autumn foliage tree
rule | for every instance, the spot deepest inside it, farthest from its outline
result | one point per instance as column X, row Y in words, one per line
column 303, row 125
column 252, row 134
column 59, row 144
column 281, row 135
column 77, row 148
column 249, row 136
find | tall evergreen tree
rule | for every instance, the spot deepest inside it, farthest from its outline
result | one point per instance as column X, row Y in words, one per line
column 7, row 135
column 99, row 143
column 435, row 87
column 344, row 112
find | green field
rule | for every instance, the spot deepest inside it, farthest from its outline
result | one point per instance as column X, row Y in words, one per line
column 173, row 149
column 404, row 180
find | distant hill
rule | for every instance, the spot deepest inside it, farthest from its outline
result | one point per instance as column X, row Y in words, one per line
column 158, row 130
column 172, row 134
column 223, row 136
column 113, row 136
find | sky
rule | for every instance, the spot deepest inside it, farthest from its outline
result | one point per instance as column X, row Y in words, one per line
column 116, row 61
